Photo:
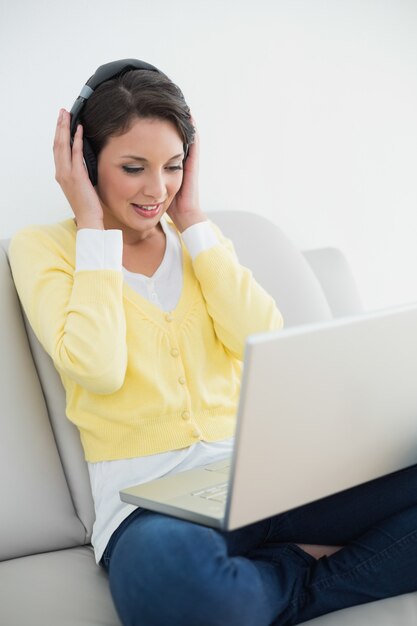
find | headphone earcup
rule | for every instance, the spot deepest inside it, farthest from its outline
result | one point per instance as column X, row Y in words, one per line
column 90, row 160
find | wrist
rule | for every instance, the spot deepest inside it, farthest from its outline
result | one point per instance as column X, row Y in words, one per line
column 89, row 223
column 185, row 221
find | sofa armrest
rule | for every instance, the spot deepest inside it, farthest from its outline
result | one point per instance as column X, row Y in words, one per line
column 336, row 279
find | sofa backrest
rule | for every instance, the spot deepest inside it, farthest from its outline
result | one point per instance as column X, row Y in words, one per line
column 276, row 264
column 37, row 510
column 44, row 483
column 308, row 286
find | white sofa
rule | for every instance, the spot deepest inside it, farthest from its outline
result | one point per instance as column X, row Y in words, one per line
column 48, row 576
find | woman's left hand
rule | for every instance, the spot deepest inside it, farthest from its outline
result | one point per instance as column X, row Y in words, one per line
column 185, row 208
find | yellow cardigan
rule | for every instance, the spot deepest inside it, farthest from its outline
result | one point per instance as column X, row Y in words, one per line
column 138, row 380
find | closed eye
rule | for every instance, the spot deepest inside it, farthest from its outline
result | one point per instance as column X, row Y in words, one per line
column 132, row 170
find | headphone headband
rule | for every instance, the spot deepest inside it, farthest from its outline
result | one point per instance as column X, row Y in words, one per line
column 101, row 75
column 117, row 68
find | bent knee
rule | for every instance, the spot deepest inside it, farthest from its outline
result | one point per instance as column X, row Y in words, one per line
column 167, row 571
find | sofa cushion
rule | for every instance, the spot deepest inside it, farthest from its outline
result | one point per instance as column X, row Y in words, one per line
column 64, row 588
column 398, row 611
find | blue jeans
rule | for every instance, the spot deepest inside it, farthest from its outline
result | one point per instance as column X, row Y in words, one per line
column 164, row 571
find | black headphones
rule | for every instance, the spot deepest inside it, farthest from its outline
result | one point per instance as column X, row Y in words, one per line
column 102, row 74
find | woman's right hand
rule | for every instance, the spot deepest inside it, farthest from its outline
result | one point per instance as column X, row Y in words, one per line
column 72, row 175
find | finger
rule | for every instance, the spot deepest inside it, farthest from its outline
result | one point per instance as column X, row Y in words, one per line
column 62, row 131
column 58, row 130
column 77, row 150
column 77, row 146
column 61, row 148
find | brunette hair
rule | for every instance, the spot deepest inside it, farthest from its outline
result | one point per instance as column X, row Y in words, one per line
column 115, row 103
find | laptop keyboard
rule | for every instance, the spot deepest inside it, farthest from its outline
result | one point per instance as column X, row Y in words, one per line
column 218, row 493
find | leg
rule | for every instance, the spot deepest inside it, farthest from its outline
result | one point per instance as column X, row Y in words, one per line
column 381, row 563
column 378, row 522
column 342, row 517
column 167, row 571
column 317, row 550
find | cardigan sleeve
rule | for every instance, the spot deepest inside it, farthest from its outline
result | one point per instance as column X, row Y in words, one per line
column 237, row 304
column 78, row 317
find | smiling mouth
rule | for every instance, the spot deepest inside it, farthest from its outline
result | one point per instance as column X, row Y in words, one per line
column 147, row 210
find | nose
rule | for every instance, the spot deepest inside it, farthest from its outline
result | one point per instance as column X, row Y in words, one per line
column 154, row 186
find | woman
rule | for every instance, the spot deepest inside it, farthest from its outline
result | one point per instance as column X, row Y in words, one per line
column 144, row 309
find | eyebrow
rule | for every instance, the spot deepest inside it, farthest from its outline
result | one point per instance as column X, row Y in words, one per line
column 139, row 158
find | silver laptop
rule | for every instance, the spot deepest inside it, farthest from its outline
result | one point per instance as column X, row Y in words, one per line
column 323, row 407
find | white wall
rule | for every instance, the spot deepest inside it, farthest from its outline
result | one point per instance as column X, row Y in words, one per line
column 307, row 111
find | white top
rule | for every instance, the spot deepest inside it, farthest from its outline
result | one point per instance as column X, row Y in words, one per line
column 102, row 249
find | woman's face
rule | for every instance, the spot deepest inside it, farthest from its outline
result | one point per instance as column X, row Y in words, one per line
column 139, row 174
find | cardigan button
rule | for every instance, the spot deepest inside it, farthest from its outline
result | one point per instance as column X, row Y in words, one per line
column 174, row 352
column 185, row 415
column 197, row 434
column 181, row 380
column 169, row 317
